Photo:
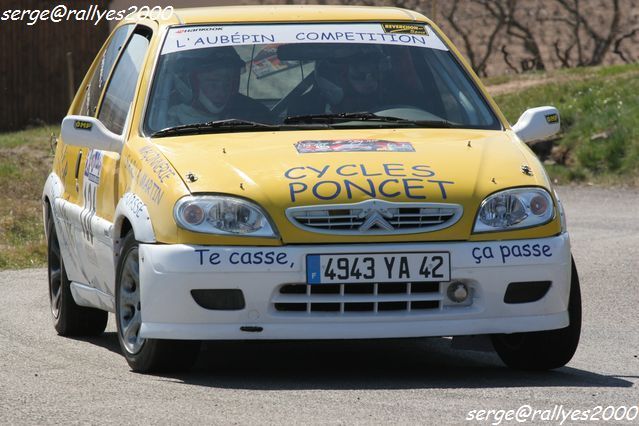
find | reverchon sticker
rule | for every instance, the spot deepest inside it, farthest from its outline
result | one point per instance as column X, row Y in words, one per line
column 405, row 28
column 352, row 145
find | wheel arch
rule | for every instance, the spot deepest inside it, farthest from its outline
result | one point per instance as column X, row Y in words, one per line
column 53, row 189
column 131, row 214
column 46, row 214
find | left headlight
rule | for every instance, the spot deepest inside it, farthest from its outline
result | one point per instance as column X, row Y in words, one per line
column 515, row 209
column 222, row 215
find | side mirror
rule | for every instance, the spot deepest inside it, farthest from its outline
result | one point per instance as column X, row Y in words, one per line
column 537, row 124
column 79, row 130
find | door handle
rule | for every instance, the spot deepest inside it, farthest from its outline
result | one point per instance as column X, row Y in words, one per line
column 77, row 170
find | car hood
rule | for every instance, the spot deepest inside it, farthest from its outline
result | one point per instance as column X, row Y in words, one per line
column 278, row 170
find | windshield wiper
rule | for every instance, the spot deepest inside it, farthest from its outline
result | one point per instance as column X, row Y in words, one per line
column 337, row 118
column 314, row 120
column 231, row 124
column 365, row 116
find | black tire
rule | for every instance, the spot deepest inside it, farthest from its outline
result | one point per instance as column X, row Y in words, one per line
column 69, row 319
column 144, row 355
column 544, row 350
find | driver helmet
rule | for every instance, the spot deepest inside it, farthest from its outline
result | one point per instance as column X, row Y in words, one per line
column 213, row 75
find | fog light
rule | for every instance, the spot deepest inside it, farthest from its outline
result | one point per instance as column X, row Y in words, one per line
column 458, row 292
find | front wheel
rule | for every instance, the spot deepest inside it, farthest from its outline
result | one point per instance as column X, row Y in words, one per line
column 69, row 319
column 544, row 350
column 143, row 355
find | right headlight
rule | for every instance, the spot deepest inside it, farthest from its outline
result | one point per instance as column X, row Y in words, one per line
column 514, row 209
column 223, row 215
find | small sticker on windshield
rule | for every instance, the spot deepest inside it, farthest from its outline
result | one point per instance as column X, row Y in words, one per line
column 405, row 29
column 352, row 145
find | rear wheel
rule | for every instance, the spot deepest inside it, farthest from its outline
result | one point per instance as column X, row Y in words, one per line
column 69, row 319
column 143, row 355
column 544, row 350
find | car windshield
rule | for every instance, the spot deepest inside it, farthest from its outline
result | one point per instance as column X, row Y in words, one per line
column 274, row 77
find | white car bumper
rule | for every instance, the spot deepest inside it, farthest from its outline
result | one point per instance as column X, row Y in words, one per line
column 168, row 273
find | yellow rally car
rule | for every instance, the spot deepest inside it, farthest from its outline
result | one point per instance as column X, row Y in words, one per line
column 302, row 173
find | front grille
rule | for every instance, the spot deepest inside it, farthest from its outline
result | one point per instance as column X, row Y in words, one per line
column 358, row 298
column 375, row 217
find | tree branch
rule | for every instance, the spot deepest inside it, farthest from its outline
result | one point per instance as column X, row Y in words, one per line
column 507, row 59
column 617, row 48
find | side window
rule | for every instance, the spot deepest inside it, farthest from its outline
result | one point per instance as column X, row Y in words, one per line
column 101, row 73
column 121, row 88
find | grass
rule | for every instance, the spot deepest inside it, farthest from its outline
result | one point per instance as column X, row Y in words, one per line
column 564, row 73
column 601, row 102
column 599, row 108
column 25, row 161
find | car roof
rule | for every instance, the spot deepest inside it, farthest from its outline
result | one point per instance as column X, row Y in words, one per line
column 287, row 13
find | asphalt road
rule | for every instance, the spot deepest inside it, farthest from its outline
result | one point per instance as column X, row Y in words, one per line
column 45, row 378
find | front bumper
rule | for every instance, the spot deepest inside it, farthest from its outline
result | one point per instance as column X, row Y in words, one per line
column 168, row 273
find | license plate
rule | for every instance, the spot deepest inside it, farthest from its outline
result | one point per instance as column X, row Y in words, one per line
column 377, row 267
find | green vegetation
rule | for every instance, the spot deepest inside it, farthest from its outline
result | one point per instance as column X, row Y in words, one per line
column 600, row 120
column 599, row 143
column 25, row 161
